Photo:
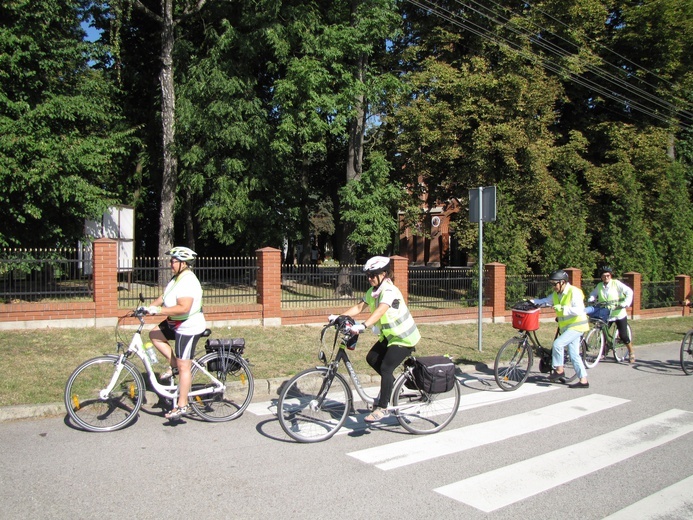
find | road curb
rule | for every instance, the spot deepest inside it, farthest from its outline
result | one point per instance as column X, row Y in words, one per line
column 265, row 389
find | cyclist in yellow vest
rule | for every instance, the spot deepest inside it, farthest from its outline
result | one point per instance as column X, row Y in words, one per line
column 618, row 296
column 391, row 320
column 569, row 303
column 181, row 303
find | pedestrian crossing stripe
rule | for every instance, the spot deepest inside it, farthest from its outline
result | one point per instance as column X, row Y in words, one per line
column 672, row 502
column 501, row 487
column 411, row 451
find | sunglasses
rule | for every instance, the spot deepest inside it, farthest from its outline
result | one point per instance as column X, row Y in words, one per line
column 556, row 283
column 372, row 275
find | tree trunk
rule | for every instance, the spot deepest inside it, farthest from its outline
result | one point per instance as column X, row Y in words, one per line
column 354, row 167
column 169, row 178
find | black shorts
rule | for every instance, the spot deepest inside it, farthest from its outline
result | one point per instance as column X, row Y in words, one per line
column 184, row 347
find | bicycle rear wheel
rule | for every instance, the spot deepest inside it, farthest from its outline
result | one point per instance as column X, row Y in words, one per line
column 513, row 361
column 592, row 347
column 423, row 413
column 94, row 413
column 313, row 406
column 619, row 348
column 687, row 353
column 239, row 386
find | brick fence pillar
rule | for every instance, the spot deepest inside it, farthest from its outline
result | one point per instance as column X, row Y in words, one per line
column 634, row 281
column 494, row 290
column 105, row 278
column 269, row 285
column 682, row 291
column 400, row 269
column 574, row 276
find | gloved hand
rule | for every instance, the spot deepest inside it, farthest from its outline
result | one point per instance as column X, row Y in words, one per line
column 558, row 308
column 357, row 329
column 332, row 318
column 153, row 309
column 591, row 299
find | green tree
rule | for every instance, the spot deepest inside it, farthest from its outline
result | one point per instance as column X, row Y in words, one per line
column 673, row 226
column 62, row 138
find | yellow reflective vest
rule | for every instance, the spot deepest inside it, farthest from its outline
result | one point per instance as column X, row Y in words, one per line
column 578, row 322
column 397, row 324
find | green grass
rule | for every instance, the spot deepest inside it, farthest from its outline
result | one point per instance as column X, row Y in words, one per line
column 35, row 364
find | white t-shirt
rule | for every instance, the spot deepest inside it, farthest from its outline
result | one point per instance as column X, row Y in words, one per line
column 187, row 285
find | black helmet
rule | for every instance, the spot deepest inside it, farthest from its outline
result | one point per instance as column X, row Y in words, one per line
column 559, row 276
column 605, row 269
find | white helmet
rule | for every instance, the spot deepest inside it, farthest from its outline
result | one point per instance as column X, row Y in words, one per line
column 184, row 254
column 377, row 264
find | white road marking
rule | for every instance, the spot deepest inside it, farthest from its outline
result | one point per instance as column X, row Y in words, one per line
column 418, row 449
column 673, row 502
column 501, row 487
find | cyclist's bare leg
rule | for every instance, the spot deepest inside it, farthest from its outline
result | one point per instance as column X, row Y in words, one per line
column 161, row 343
column 184, row 381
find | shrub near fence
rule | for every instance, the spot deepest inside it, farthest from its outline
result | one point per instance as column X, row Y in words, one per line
column 261, row 290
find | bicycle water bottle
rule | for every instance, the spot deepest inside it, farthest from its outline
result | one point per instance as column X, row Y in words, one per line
column 151, row 352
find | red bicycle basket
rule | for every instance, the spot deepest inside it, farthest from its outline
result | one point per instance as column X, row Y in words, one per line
column 526, row 320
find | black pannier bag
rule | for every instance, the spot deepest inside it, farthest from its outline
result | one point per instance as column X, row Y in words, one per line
column 434, row 374
column 225, row 346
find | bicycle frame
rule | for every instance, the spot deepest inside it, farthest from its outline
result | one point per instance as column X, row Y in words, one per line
column 136, row 347
column 333, row 367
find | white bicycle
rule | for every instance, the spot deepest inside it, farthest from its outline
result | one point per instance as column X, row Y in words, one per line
column 106, row 393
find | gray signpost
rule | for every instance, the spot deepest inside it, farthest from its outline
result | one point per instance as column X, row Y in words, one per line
column 482, row 208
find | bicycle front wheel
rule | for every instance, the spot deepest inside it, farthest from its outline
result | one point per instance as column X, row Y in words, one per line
column 593, row 348
column 313, row 406
column 239, row 385
column 687, row 353
column 513, row 361
column 618, row 347
column 421, row 413
column 95, row 412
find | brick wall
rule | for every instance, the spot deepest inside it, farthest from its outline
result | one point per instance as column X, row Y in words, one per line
column 104, row 310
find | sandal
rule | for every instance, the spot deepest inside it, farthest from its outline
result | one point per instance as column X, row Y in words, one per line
column 168, row 374
column 377, row 415
column 177, row 412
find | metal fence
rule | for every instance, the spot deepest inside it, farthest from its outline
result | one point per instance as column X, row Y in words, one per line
column 520, row 287
column 443, row 288
column 225, row 281
column 32, row 275
column 656, row 295
column 322, row 286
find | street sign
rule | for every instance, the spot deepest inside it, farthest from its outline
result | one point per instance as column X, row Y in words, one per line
column 487, row 206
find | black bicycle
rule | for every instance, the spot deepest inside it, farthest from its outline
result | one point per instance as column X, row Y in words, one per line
column 315, row 403
column 515, row 358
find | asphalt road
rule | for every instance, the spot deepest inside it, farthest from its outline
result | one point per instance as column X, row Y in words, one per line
column 545, row 451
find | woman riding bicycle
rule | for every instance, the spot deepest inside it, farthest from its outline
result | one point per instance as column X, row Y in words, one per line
column 185, row 323
column 617, row 296
column 568, row 302
column 391, row 320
